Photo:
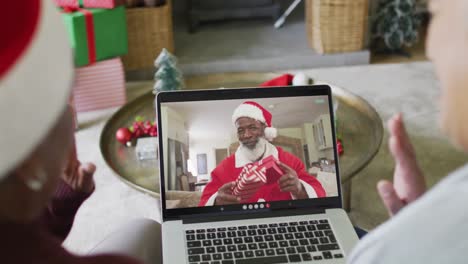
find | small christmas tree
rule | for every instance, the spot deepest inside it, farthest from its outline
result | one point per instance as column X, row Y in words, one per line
column 396, row 24
column 168, row 77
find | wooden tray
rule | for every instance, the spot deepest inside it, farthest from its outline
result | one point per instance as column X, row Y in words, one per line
column 358, row 123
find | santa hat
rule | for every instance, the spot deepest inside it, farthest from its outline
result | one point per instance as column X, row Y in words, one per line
column 257, row 112
column 36, row 73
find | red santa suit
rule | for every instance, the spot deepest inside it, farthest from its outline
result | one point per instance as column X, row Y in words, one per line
column 230, row 168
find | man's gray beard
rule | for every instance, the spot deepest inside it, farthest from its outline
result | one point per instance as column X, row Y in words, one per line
column 257, row 152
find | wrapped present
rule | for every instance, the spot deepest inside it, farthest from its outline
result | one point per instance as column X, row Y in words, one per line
column 273, row 171
column 99, row 86
column 254, row 176
column 96, row 34
column 89, row 3
column 249, row 181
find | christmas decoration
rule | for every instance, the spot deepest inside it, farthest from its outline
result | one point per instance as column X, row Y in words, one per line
column 123, row 135
column 146, row 148
column 168, row 77
column 396, row 25
column 99, row 86
column 339, row 146
column 255, row 175
column 140, row 128
column 96, row 34
column 283, row 80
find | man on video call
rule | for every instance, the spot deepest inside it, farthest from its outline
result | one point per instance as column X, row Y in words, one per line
column 254, row 131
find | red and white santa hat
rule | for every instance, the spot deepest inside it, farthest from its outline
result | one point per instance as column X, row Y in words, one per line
column 257, row 112
column 36, row 73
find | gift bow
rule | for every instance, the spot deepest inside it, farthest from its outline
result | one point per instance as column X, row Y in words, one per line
column 90, row 37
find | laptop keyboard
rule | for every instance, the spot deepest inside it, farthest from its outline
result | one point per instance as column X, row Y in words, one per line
column 264, row 243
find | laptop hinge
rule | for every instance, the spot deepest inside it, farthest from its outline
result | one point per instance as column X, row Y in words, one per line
column 193, row 219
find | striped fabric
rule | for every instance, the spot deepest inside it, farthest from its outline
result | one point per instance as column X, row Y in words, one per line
column 99, row 86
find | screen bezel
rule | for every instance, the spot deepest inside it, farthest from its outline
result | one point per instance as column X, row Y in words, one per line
column 245, row 93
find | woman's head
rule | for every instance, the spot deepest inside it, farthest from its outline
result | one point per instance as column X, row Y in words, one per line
column 27, row 188
column 447, row 47
column 36, row 73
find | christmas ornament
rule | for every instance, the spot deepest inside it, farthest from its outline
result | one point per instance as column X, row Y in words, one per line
column 123, row 135
column 140, row 128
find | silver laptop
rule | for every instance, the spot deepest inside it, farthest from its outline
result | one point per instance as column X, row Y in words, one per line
column 251, row 176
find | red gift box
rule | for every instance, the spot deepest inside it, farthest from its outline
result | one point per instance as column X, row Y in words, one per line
column 254, row 176
column 273, row 171
column 109, row 4
column 249, row 181
column 99, row 86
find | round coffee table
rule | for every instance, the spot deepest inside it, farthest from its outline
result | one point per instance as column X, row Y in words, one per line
column 358, row 123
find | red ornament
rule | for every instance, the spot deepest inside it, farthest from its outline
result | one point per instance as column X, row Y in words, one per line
column 123, row 135
column 139, row 128
column 339, row 146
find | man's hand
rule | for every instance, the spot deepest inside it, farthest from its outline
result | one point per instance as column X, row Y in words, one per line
column 79, row 176
column 289, row 182
column 225, row 196
column 408, row 179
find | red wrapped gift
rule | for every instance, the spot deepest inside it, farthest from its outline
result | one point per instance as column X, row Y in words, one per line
column 273, row 171
column 109, row 4
column 99, row 86
column 254, row 176
column 249, row 181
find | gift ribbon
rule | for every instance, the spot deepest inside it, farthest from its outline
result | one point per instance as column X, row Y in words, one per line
column 89, row 23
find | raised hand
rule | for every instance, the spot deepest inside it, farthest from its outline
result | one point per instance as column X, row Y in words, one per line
column 225, row 195
column 79, row 176
column 408, row 180
column 290, row 182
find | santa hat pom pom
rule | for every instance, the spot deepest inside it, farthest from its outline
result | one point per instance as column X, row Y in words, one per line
column 300, row 79
column 270, row 133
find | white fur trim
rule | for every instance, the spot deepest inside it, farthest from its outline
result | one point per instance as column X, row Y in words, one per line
column 36, row 89
column 309, row 190
column 212, row 200
column 248, row 110
column 300, row 79
column 270, row 133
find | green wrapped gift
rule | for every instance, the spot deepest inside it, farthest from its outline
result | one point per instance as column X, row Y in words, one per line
column 96, row 34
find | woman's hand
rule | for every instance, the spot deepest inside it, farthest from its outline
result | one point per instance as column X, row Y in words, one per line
column 408, row 180
column 79, row 176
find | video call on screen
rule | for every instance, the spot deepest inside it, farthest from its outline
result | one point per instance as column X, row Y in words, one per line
column 215, row 158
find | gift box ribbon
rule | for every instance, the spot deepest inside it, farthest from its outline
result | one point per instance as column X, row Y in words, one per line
column 90, row 37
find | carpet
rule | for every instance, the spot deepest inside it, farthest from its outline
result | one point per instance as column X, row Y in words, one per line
column 408, row 88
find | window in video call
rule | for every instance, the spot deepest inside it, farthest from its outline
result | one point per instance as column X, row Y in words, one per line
column 248, row 150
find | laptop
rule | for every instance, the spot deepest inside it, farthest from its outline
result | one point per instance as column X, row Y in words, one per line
column 205, row 137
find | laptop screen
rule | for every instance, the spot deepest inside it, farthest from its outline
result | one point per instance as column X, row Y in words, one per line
column 246, row 150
